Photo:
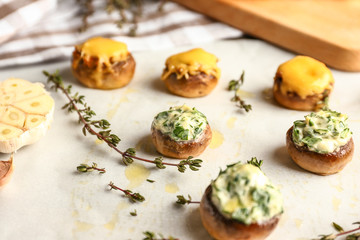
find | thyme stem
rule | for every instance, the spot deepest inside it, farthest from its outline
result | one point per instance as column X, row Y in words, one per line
column 341, row 232
column 347, row 232
column 106, row 136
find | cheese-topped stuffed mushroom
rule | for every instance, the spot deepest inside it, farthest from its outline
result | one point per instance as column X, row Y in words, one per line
column 322, row 143
column 191, row 74
column 103, row 63
column 302, row 83
column 181, row 132
column 241, row 204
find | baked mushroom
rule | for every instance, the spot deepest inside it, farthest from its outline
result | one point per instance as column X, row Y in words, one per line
column 103, row 63
column 191, row 74
column 6, row 170
column 241, row 204
column 302, row 83
column 180, row 132
column 322, row 143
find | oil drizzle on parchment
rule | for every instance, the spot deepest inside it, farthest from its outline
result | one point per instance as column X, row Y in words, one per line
column 217, row 139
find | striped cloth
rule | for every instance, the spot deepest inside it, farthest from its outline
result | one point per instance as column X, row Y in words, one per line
column 34, row 31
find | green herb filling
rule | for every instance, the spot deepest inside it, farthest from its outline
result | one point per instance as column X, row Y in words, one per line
column 181, row 123
column 322, row 132
column 242, row 192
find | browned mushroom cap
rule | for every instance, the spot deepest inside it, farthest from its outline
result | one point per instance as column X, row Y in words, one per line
column 6, row 170
column 180, row 149
column 322, row 164
column 194, row 86
column 292, row 100
column 222, row 228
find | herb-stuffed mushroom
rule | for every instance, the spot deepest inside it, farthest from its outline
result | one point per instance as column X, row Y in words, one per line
column 322, row 143
column 181, row 132
column 241, row 204
column 191, row 74
column 302, row 83
column 103, row 63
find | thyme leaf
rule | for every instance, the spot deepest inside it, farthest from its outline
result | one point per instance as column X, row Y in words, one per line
column 159, row 162
column 86, row 168
column 337, row 227
column 324, row 103
column 194, row 164
column 354, row 236
column 133, row 213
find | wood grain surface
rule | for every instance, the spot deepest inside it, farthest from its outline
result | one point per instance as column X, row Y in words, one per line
column 326, row 30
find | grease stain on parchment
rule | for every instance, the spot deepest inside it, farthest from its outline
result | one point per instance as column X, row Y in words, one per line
column 231, row 122
column 114, row 107
column 217, row 139
column 136, row 173
column 171, row 188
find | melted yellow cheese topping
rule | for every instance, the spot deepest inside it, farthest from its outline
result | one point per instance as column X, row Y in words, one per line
column 305, row 76
column 105, row 49
column 192, row 62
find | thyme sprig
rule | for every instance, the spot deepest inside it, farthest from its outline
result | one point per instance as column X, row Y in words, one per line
column 254, row 161
column 350, row 233
column 85, row 114
column 133, row 7
column 152, row 236
column 182, row 200
column 134, row 197
column 83, row 167
column 87, row 9
column 234, row 85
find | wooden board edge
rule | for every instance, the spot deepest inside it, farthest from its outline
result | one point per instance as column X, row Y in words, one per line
column 335, row 56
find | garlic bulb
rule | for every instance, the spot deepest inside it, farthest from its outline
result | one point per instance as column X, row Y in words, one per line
column 26, row 111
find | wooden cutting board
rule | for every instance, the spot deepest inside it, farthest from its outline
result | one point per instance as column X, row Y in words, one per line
column 326, row 30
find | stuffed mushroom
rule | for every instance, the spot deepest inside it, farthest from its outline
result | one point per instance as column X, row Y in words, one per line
column 302, row 83
column 191, row 74
column 241, row 204
column 181, row 132
column 322, row 143
column 103, row 63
